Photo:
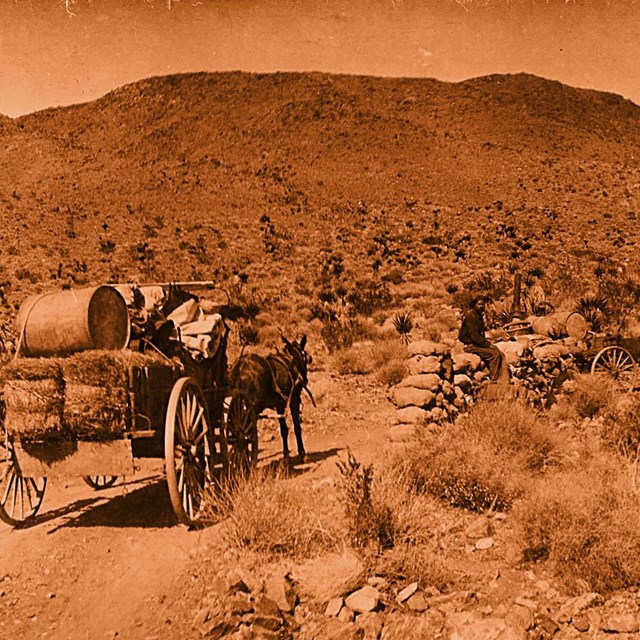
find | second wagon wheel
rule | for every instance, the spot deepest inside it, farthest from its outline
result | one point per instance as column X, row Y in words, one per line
column 187, row 449
column 242, row 435
column 100, row 482
column 618, row 364
column 20, row 497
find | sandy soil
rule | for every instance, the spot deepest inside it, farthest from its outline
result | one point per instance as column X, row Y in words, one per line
column 113, row 563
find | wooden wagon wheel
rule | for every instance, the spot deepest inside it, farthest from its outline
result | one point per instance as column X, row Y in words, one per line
column 187, row 449
column 618, row 364
column 100, row 482
column 20, row 497
column 242, row 435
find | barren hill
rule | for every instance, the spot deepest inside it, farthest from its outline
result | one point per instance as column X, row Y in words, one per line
column 201, row 174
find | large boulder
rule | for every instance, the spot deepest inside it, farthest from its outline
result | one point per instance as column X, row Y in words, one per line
column 427, row 348
column 464, row 362
column 419, row 364
column 426, row 381
column 411, row 415
column 411, row 397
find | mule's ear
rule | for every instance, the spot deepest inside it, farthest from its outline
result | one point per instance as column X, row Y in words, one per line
column 303, row 342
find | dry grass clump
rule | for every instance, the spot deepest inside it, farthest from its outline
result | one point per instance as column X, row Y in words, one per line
column 394, row 527
column 272, row 517
column 586, row 522
column 621, row 428
column 373, row 356
column 486, row 460
column 592, row 395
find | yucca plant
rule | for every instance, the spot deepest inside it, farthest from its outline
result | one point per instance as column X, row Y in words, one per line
column 403, row 324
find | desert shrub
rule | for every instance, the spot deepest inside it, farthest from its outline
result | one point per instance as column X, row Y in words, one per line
column 368, row 295
column 486, row 459
column 271, row 517
column 364, row 358
column 592, row 395
column 621, row 428
column 342, row 333
column 355, row 360
column 369, row 522
column 586, row 523
column 392, row 373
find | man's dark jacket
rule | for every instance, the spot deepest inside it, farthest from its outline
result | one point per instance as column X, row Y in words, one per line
column 472, row 330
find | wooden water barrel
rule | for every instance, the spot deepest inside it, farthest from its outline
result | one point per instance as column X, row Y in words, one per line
column 64, row 322
column 561, row 324
column 547, row 326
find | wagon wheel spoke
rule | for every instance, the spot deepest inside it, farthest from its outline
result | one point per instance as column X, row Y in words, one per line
column 242, row 435
column 616, row 363
column 187, row 450
column 20, row 497
column 100, row 482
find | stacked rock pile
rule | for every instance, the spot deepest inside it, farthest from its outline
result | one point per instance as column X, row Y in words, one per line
column 539, row 367
column 444, row 380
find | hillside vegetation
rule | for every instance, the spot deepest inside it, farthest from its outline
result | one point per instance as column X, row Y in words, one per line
column 215, row 175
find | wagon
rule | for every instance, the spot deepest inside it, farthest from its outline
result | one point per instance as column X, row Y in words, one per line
column 613, row 357
column 163, row 403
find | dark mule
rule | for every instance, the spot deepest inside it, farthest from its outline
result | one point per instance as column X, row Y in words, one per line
column 276, row 382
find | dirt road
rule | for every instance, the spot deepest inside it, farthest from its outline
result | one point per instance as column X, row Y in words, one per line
column 112, row 564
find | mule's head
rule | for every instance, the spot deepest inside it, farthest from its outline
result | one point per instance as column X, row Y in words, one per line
column 301, row 359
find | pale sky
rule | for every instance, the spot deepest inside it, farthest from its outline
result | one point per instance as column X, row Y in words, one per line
column 50, row 58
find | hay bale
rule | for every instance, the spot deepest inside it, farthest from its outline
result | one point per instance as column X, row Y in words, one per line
column 100, row 368
column 96, row 413
column 32, row 369
column 97, row 385
column 34, row 406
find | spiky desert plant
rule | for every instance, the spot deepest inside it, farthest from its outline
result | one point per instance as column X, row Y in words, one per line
column 594, row 308
column 403, row 324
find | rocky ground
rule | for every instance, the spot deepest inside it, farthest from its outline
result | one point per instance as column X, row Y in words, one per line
column 113, row 564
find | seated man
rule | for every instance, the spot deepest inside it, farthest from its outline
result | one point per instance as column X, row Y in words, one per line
column 472, row 335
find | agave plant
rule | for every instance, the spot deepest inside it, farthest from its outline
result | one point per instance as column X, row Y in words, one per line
column 594, row 308
column 403, row 324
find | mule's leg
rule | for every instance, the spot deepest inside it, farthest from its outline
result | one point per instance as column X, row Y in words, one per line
column 284, row 433
column 297, row 426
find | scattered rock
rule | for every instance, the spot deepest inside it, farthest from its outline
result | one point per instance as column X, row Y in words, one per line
column 280, row 588
column 528, row 603
column 401, row 626
column 201, row 617
column 333, row 607
column 620, row 623
column 546, row 625
column 574, row 606
column 346, row 615
column 417, row 602
column 263, row 605
column 216, row 629
column 362, row 600
column 471, row 626
column 407, row 592
column 371, row 624
column 484, row 543
column 480, row 528
column 520, row 617
column 272, row 623
column 581, row 623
